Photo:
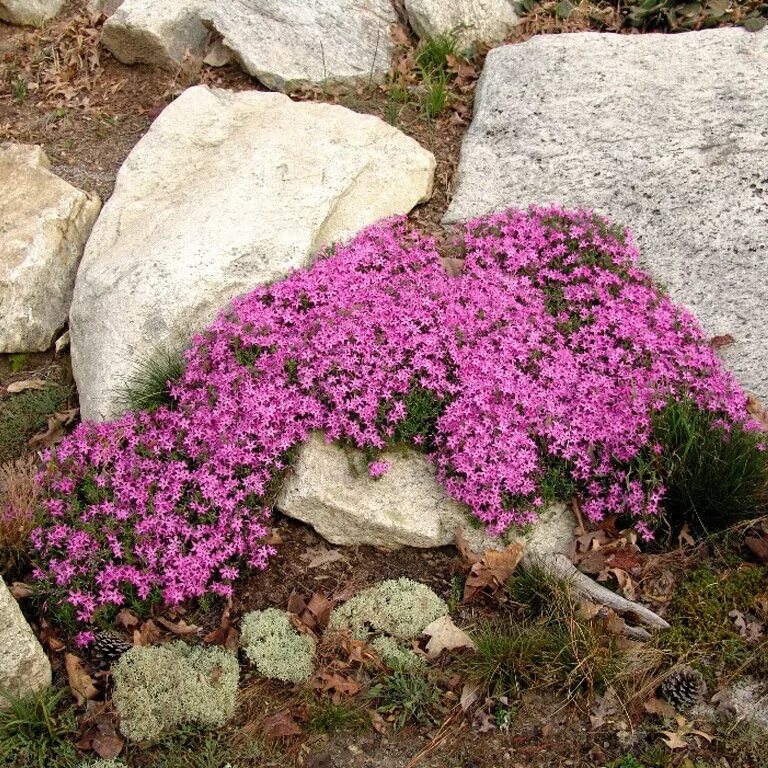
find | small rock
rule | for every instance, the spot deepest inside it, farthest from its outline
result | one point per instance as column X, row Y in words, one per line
column 44, row 223
column 24, row 667
column 472, row 21
column 163, row 33
column 29, row 13
column 290, row 43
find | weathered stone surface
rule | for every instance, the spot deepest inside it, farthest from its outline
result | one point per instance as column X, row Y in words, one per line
column 666, row 134
column 29, row 13
column 225, row 191
column 472, row 21
column 330, row 490
column 24, row 667
column 164, row 33
column 106, row 7
column 44, row 223
column 289, row 43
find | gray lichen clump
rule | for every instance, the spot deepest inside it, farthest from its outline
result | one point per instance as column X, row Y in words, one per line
column 161, row 687
column 102, row 764
column 399, row 607
column 396, row 656
column 275, row 647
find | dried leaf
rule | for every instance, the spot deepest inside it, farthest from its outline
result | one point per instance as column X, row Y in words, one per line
column 319, row 557
column 319, row 608
column 21, row 386
column 656, row 706
column 466, row 551
column 604, row 708
column 281, row 726
column 470, row 693
column 718, row 342
column 378, row 723
column 491, row 573
column 128, row 619
column 180, row 628
column 149, row 634
column 296, row 604
column 20, row 590
column 684, row 537
column 399, row 35
column 445, row 635
column 758, row 547
column 328, row 681
column 80, row 682
column 52, row 436
column 108, row 745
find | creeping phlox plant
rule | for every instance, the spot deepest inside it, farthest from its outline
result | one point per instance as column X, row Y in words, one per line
column 545, row 359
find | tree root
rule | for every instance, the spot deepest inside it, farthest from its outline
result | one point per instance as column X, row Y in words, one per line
column 560, row 566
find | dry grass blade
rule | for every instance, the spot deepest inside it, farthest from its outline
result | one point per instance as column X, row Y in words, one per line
column 19, row 494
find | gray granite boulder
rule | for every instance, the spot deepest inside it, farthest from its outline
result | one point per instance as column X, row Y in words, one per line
column 24, row 667
column 471, row 21
column 225, row 191
column 666, row 134
column 44, row 223
column 290, row 43
column 163, row 33
column 29, row 13
column 329, row 488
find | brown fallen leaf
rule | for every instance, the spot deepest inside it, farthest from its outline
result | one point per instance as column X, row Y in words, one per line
column 20, row 590
column 756, row 410
column 179, row 628
column 149, row 634
column 657, row 706
column 128, row 619
column 378, row 722
column 328, row 681
column 491, row 574
column 718, row 342
column 605, row 707
column 684, row 537
column 281, row 726
column 54, row 434
column 108, row 745
column 758, row 546
column 319, row 609
column 320, row 556
column 445, row 635
column 676, row 739
column 470, row 693
column 80, row 682
column 21, row 386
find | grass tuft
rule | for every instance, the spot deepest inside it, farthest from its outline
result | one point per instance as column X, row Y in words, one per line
column 714, row 477
column 147, row 387
column 35, row 731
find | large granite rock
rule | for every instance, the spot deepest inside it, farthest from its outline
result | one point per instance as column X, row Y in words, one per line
column 44, row 223
column 225, row 191
column 290, row 43
column 29, row 13
column 667, row 134
column 163, row 33
column 472, row 21
column 330, row 489
column 24, row 667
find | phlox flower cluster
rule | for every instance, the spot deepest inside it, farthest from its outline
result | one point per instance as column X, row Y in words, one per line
column 551, row 348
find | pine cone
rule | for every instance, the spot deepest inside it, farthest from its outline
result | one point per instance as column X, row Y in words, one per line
column 684, row 688
column 108, row 647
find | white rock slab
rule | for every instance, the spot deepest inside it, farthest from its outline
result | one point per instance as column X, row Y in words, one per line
column 29, row 13
column 290, row 43
column 24, row 667
column 44, row 223
column 163, row 33
column 330, row 489
column 666, row 134
column 226, row 191
column 472, row 21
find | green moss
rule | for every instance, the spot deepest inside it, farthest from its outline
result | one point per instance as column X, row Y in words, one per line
column 159, row 688
column 24, row 415
column 702, row 632
column 401, row 608
column 275, row 647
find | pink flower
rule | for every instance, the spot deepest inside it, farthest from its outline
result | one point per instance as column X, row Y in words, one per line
column 377, row 469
